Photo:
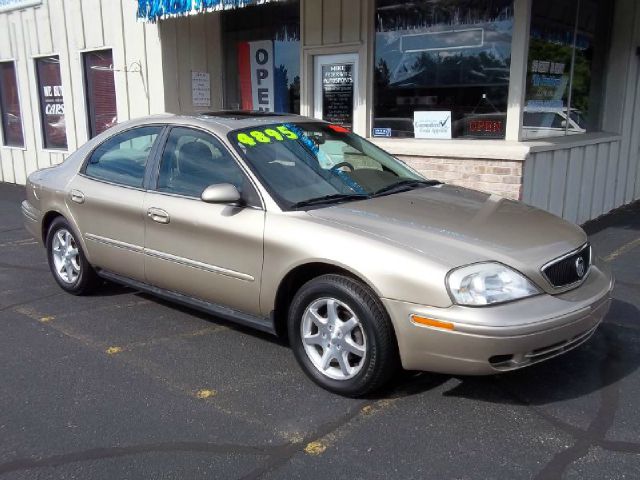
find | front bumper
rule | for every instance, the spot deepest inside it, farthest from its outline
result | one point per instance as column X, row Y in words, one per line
column 505, row 337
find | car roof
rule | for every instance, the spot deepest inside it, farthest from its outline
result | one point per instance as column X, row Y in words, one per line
column 223, row 121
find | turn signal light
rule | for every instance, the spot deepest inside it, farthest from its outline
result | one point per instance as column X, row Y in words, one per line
column 430, row 322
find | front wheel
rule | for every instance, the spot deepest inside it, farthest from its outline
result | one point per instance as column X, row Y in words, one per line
column 67, row 261
column 342, row 336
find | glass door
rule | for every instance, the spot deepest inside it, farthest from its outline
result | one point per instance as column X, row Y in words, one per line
column 335, row 80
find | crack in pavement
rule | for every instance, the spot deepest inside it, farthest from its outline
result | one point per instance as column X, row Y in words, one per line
column 23, row 267
column 115, row 452
column 599, row 426
column 27, row 302
column 331, row 430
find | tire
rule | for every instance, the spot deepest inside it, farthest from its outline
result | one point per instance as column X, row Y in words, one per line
column 67, row 261
column 351, row 358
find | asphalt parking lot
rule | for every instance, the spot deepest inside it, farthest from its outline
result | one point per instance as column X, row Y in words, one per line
column 122, row 385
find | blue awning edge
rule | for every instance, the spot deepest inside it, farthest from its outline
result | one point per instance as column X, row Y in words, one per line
column 154, row 10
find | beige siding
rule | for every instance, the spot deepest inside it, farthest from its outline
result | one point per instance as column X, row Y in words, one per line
column 67, row 28
column 579, row 183
column 333, row 22
column 189, row 44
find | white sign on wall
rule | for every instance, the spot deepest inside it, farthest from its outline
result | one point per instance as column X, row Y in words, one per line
column 201, row 89
column 433, row 125
column 16, row 4
column 261, row 55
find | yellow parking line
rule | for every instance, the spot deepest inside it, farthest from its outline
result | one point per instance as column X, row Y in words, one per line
column 205, row 393
column 315, row 448
column 320, row 445
column 622, row 250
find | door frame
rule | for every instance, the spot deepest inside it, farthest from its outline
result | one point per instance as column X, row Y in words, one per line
column 361, row 89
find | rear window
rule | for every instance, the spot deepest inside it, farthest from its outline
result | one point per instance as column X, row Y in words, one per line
column 122, row 159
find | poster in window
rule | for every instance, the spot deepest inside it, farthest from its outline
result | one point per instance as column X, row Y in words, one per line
column 51, row 102
column 337, row 94
column 432, row 124
column 101, row 91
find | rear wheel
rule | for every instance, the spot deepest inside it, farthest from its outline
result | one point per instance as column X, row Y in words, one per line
column 67, row 261
column 342, row 336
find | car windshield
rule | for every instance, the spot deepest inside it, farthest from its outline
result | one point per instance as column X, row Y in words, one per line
column 318, row 163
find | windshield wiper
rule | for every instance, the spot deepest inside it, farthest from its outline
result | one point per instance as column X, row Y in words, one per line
column 404, row 185
column 338, row 197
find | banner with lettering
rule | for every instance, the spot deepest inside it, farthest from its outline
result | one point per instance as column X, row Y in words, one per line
column 260, row 87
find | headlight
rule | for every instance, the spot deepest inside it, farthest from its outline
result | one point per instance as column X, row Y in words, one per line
column 488, row 284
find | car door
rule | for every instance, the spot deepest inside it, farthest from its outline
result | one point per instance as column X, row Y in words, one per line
column 211, row 252
column 107, row 200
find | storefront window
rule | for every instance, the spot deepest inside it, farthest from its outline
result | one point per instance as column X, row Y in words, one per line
column 262, row 57
column 442, row 68
column 101, row 91
column 54, row 131
column 567, row 50
column 10, row 106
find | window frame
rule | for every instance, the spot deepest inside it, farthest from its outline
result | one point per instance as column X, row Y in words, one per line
column 515, row 89
column 517, row 84
column 5, row 144
column 44, row 145
column 154, row 172
column 151, row 159
column 522, row 99
column 90, row 123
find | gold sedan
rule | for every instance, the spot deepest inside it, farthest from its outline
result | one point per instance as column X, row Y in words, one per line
column 301, row 228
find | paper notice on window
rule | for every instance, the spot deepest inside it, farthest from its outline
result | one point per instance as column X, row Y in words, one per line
column 432, row 125
column 201, row 89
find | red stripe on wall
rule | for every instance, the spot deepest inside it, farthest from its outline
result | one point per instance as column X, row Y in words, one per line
column 244, row 76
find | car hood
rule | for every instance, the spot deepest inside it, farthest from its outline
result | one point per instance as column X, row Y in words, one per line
column 455, row 226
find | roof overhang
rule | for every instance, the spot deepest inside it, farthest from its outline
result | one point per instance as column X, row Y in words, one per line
column 154, row 10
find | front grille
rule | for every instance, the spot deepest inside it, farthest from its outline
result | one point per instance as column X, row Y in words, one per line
column 570, row 269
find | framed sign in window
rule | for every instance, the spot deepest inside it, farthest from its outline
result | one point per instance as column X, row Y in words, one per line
column 10, row 106
column 52, row 115
column 100, row 90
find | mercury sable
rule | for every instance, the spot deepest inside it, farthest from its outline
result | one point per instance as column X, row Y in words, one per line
column 299, row 227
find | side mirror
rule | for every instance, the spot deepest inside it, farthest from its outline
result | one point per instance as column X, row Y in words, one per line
column 221, row 193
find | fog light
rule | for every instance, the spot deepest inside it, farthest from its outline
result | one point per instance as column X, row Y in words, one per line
column 430, row 322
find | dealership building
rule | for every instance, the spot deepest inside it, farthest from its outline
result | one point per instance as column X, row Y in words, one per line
column 531, row 99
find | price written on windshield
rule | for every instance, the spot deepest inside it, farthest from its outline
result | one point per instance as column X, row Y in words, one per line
column 256, row 137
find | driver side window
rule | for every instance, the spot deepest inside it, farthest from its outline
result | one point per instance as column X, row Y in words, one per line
column 192, row 160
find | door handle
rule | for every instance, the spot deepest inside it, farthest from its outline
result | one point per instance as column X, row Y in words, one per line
column 158, row 215
column 77, row 196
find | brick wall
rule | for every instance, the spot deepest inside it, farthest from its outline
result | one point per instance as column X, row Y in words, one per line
column 501, row 177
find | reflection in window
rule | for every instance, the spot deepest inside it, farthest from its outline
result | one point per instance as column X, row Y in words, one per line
column 192, row 160
column 101, row 91
column 10, row 106
column 122, row 159
column 446, row 56
column 262, row 55
column 569, row 41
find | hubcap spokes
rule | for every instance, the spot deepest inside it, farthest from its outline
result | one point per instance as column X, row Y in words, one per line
column 66, row 257
column 333, row 338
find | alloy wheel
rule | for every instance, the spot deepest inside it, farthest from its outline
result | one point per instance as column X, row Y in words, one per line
column 333, row 338
column 66, row 256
